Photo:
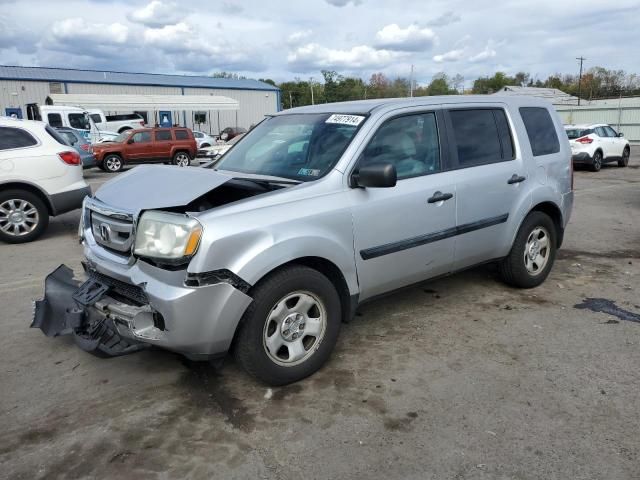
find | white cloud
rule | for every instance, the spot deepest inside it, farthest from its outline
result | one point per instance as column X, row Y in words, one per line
column 297, row 37
column 78, row 29
column 343, row 3
column 313, row 55
column 157, row 14
column 410, row 39
column 450, row 56
column 485, row 54
column 447, row 18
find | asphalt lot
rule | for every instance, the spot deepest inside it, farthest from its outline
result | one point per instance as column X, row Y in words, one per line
column 456, row 378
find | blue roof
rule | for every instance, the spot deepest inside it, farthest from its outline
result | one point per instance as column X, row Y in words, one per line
column 44, row 74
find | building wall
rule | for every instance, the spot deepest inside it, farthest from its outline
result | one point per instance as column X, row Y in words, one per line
column 254, row 104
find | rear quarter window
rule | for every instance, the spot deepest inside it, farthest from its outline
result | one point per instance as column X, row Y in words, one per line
column 15, row 138
column 182, row 135
column 540, row 130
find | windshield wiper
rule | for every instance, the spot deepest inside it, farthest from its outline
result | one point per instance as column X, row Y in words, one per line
column 255, row 177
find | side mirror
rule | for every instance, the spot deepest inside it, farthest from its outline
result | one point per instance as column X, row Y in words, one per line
column 620, row 134
column 377, row 175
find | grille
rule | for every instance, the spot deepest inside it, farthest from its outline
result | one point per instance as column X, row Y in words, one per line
column 130, row 292
column 112, row 233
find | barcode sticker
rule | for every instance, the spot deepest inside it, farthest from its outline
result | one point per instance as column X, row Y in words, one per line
column 353, row 120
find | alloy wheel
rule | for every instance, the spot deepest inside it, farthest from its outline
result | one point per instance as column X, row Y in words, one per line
column 182, row 160
column 537, row 250
column 18, row 217
column 113, row 164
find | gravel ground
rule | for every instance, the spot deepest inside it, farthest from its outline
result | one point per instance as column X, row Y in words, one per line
column 460, row 378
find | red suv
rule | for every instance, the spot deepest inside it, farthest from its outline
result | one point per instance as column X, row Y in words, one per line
column 149, row 145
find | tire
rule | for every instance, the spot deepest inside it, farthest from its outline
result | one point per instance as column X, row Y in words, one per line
column 205, row 145
column 596, row 164
column 624, row 161
column 518, row 269
column 308, row 300
column 181, row 159
column 112, row 163
column 124, row 129
column 23, row 216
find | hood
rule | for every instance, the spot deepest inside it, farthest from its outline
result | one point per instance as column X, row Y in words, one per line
column 158, row 186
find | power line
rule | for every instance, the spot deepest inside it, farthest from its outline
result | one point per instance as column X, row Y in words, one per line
column 582, row 59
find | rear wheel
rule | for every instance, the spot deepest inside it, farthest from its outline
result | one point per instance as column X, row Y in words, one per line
column 290, row 329
column 624, row 161
column 596, row 164
column 23, row 216
column 532, row 254
column 112, row 163
column 182, row 159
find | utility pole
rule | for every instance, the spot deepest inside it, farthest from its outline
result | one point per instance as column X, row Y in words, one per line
column 411, row 82
column 290, row 100
column 311, row 85
column 582, row 59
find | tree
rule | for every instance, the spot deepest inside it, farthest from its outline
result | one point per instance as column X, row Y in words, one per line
column 440, row 85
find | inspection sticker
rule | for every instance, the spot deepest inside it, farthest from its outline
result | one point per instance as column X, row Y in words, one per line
column 354, row 120
column 309, row 172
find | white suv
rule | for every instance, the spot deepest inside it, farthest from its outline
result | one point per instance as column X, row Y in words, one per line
column 40, row 176
column 596, row 144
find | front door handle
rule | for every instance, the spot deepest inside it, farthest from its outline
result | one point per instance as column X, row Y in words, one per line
column 516, row 179
column 440, row 197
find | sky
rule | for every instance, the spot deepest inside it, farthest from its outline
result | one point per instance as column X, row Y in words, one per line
column 283, row 40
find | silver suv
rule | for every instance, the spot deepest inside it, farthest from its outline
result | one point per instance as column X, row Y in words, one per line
column 316, row 210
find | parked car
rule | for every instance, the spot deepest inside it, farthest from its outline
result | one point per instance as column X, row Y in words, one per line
column 116, row 123
column 149, row 145
column 204, row 139
column 596, row 144
column 230, row 132
column 76, row 140
column 278, row 244
column 216, row 151
column 40, row 177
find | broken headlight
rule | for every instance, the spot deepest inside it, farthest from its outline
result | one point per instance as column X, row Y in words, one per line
column 167, row 237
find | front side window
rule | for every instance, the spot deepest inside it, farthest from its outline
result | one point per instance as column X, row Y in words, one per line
column 54, row 119
column 163, row 135
column 410, row 143
column 540, row 130
column 301, row 147
column 79, row 121
column 15, row 138
column 610, row 131
column 600, row 131
column 96, row 118
column 142, row 137
column 478, row 137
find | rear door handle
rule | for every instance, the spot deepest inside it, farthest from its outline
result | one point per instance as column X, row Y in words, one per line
column 516, row 179
column 440, row 197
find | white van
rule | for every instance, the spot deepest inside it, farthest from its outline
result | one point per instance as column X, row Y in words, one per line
column 72, row 117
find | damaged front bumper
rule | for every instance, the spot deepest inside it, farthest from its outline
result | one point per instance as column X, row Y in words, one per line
column 123, row 308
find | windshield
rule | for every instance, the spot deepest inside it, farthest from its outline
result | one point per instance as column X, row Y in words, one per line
column 299, row 146
column 574, row 133
column 122, row 137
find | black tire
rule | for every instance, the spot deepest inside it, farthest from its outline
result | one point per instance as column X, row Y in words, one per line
column 513, row 268
column 205, row 145
column 113, row 163
column 35, row 225
column 178, row 159
column 250, row 345
column 596, row 163
column 624, row 161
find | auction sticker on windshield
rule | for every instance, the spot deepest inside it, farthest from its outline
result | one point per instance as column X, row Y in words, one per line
column 354, row 120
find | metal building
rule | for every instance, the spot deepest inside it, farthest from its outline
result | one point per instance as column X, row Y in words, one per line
column 20, row 86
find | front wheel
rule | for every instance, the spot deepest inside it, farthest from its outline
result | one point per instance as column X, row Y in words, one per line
column 532, row 254
column 290, row 329
column 23, row 216
column 112, row 163
column 624, row 161
column 182, row 159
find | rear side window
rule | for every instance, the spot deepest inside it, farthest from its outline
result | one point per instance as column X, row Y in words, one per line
column 481, row 136
column 15, row 138
column 54, row 119
column 163, row 135
column 182, row 135
column 540, row 130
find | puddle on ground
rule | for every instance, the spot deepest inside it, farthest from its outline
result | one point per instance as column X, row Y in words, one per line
column 602, row 305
